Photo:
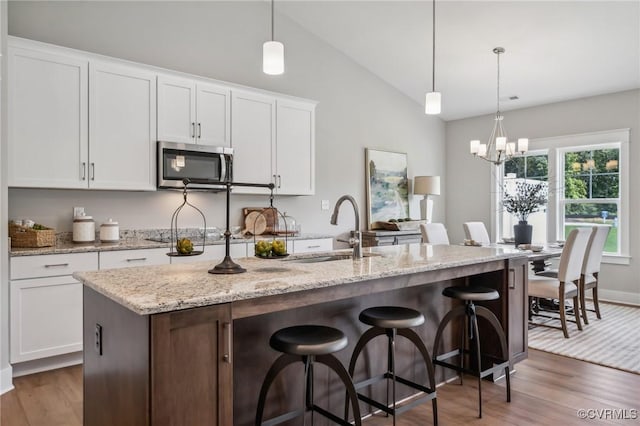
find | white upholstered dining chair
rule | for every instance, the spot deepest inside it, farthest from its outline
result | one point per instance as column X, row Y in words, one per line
column 477, row 232
column 434, row 233
column 591, row 269
column 565, row 285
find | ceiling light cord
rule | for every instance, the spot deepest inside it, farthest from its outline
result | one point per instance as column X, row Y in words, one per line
column 498, row 85
column 272, row 25
column 433, row 49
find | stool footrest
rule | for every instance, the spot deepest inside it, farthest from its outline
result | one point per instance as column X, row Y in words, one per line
column 484, row 373
column 330, row 416
column 399, row 409
column 429, row 394
column 283, row 418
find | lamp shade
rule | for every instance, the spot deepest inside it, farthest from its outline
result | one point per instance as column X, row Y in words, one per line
column 273, row 58
column 432, row 103
column 426, row 185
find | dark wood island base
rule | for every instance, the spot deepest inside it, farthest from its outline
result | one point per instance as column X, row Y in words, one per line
column 205, row 365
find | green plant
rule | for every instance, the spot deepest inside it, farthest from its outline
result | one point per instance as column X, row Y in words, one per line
column 525, row 198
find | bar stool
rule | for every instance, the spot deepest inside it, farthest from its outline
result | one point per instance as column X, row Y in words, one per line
column 393, row 321
column 470, row 312
column 308, row 344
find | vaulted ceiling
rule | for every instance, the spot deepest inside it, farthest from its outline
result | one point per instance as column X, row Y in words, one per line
column 555, row 50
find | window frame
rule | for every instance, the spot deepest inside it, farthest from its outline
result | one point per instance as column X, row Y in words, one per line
column 562, row 200
column 555, row 146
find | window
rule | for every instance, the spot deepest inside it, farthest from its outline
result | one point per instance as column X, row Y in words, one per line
column 591, row 194
column 588, row 178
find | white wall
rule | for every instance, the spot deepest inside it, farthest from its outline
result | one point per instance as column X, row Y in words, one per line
column 223, row 40
column 470, row 179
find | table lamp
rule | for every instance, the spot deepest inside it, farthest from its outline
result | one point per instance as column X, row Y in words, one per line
column 426, row 185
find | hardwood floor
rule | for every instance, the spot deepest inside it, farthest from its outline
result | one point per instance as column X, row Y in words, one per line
column 547, row 389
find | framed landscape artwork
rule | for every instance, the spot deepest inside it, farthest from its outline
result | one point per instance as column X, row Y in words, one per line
column 387, row 186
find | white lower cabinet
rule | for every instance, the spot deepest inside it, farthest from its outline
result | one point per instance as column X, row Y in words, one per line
column 308, row 246
column 128, row 258
column 214, row 253
column 46, row 317
column 46, row 305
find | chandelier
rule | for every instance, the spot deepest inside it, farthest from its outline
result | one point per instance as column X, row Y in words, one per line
column 498, row 149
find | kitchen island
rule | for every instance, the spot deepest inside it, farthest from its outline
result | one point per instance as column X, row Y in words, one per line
column 173, row 344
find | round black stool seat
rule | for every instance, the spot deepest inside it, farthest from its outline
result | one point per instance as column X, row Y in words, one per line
column 308, row 340
column 391, row 317
column 472, row 293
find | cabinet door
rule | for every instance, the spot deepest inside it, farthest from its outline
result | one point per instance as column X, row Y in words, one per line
column 213, row 106
column 46, row 317
column 176, row 109
column 122, row 127
column 517, row 329
column 295, row 148
column 253, row 131
column 48, row 119
column 191, row 367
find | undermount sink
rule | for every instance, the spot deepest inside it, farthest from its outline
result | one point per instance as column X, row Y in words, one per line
column 325, row 258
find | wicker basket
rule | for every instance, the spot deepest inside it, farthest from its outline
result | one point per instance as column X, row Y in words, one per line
column 22, row 236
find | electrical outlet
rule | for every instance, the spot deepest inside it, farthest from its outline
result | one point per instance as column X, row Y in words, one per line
column 98, row 339
column 78, row 211
column 324, row 205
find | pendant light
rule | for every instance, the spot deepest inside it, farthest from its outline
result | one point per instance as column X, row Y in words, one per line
column 433, row 99
column 272, row 53
column 497, row 149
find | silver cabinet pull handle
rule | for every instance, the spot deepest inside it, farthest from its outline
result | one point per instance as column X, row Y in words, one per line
column 275, row 180
column 93, row 171
column 226, row 329
column 193, row 130
column 512, row 278
column 137, row 259
column 84, row 170
column 279, row 181
column 199, row 130
column 57, row 265
column 318, row 246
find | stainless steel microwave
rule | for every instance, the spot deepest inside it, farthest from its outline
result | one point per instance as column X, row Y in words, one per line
column 207, row 166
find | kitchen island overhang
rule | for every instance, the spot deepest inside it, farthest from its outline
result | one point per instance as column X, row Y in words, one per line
column 237, row 314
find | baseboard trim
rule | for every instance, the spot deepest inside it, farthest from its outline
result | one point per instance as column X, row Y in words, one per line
column 623, row 297
column 6, row 379
column 44, row 364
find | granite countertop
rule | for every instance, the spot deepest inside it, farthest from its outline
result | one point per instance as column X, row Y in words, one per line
column 133, row 243
column 155, row 289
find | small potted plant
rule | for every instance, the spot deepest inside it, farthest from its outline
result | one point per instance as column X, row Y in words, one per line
column 522, row 200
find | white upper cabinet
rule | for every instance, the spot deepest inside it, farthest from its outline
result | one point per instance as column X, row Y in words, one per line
column 47, row 120
column 193, row 112
column 253, row 133
column 213, row 107
column 295, row 147
column 122, row 127
column 79, row 122
column 273, row 140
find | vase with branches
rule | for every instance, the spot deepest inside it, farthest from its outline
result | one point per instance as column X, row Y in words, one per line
column 522, row 200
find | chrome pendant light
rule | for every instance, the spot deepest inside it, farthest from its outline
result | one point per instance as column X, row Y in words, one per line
column 433, row 99
column 497, row 149
column 272, row 53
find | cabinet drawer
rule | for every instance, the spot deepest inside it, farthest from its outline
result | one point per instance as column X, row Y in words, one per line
column 46, row 317
column 213, row 254
column 52, row 265
column 127, row 258
column 308, row 246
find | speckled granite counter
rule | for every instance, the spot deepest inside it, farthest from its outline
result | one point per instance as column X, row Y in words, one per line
column 132, row 243
column 155, row 289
